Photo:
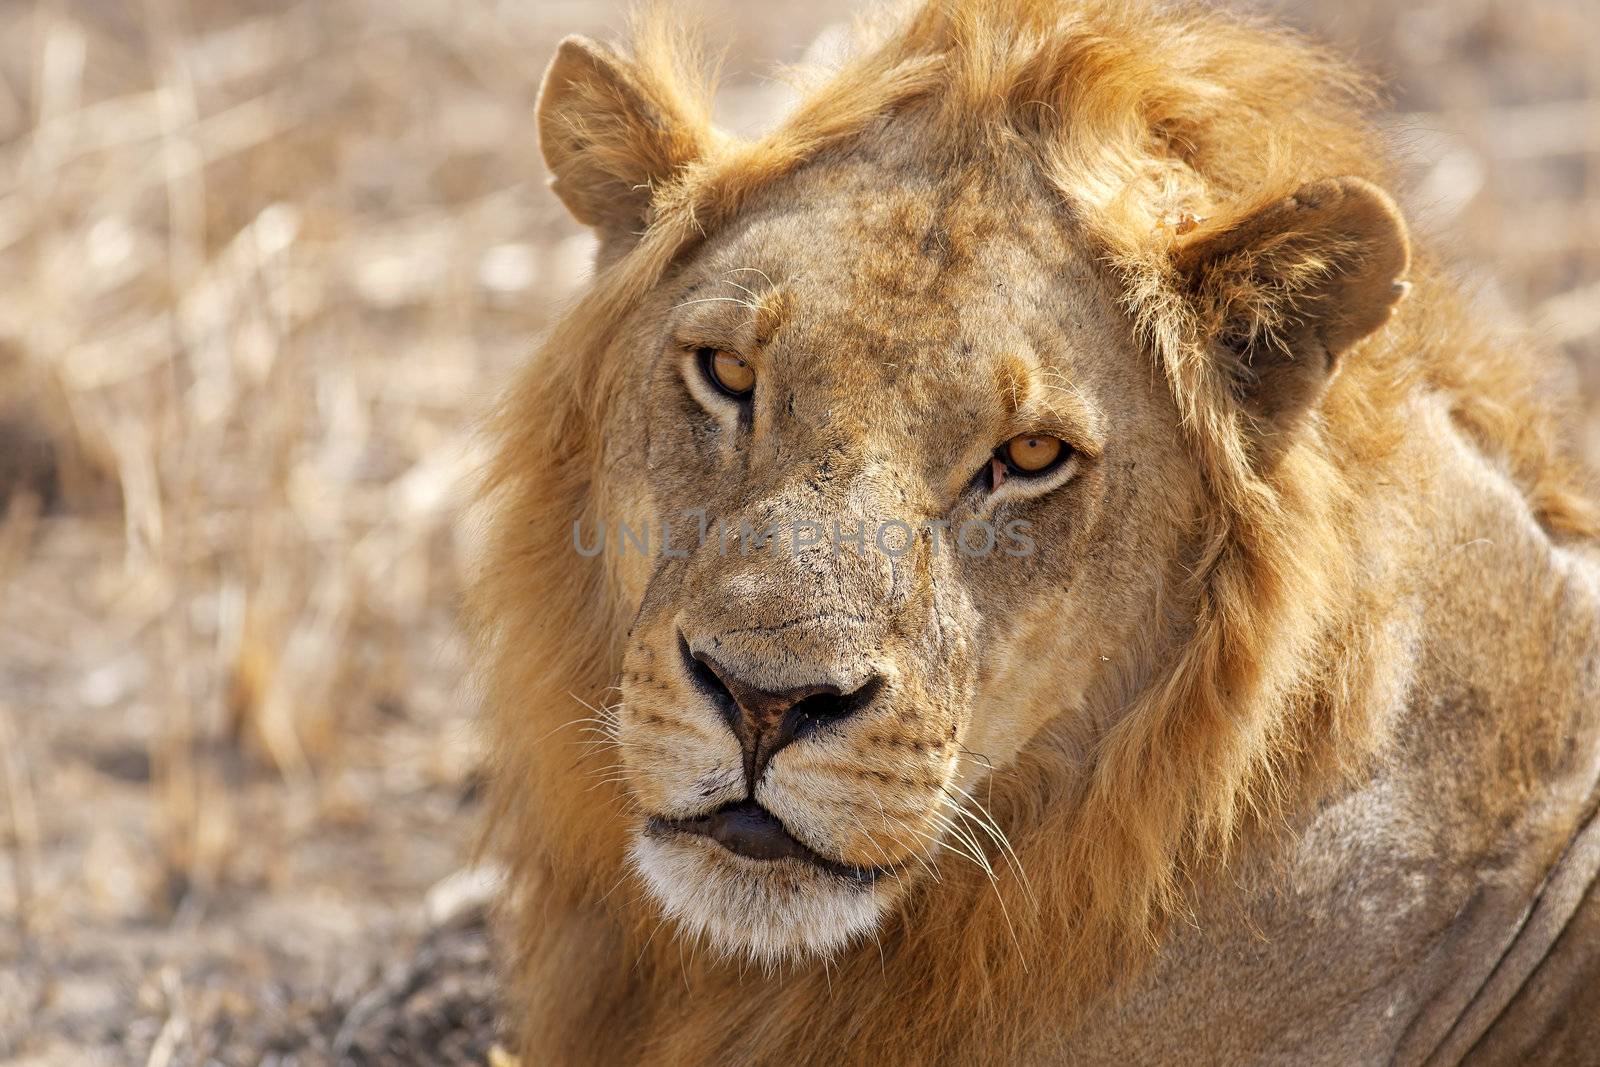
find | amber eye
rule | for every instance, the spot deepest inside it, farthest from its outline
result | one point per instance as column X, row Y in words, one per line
column 1026, row 456
column 1031, row 454
column 729, row 373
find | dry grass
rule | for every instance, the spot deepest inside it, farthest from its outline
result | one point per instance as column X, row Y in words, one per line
column 262, row 262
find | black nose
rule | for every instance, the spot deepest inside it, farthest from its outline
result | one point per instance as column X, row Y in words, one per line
column 766, row 720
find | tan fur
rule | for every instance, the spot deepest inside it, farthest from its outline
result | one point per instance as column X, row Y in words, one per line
column 1305, row 573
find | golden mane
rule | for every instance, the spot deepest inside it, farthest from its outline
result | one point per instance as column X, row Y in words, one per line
column 1142, row 116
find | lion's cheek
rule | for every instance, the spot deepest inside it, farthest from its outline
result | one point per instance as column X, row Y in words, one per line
column 676, row 775
column 868, row 813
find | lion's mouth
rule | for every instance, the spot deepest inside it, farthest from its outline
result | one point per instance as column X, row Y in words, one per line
column 747, row 829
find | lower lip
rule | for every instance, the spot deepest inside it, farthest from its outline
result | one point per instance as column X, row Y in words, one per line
column 844, row 872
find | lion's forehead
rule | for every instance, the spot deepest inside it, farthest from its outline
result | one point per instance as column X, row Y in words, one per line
column 901, row 264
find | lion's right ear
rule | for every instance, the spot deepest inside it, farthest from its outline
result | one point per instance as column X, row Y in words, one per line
column 612, row 131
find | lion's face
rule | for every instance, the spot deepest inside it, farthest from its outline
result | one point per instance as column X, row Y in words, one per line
column 974, row 490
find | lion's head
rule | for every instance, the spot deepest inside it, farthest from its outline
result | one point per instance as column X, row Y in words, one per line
column 948, row 466
column 941, row 495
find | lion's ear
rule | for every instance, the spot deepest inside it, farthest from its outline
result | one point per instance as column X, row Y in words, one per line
column 1284, row 290
column 612, row 131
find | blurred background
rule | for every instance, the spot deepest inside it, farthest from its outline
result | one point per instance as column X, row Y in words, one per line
column 260, row 265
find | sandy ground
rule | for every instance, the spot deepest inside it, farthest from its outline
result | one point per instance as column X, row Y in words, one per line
column 262, row 262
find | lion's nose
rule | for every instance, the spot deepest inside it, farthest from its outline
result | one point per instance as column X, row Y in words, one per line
column 766, row 720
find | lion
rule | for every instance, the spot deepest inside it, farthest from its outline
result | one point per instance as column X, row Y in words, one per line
column 1029, row 561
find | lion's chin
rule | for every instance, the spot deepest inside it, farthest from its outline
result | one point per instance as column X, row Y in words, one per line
column 770, row 911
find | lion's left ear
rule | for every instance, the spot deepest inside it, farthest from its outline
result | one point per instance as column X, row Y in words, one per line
column 1283, row 291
